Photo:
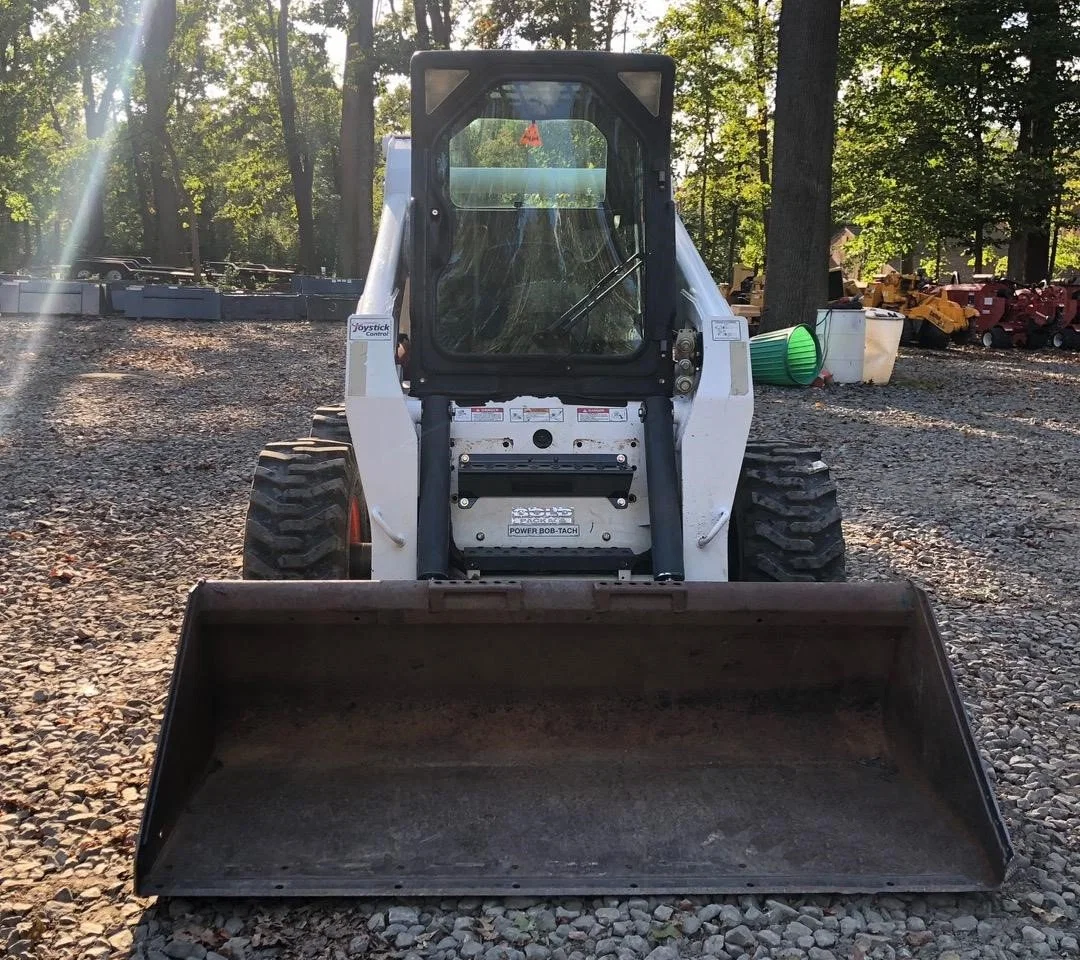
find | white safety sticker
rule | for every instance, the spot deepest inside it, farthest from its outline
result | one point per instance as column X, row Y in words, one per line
column 601, row 414
column 536, row 414
column 478, row 414
column 726, row 329
column 370, row 328
column 543, row 522
column 988, row 301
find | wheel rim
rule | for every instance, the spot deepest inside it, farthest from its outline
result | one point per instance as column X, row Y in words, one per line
column 1059, row 340
column 356, row 523
column 988, row 339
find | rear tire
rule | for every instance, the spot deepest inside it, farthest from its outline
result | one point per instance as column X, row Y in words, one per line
column 997, row 337
column 329, row 423
column 306, row 514
column 786, row 522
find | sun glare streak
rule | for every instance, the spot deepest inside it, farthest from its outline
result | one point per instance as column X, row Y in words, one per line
column 46, row 319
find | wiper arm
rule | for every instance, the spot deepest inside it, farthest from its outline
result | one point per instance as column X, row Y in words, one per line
column 600, row 289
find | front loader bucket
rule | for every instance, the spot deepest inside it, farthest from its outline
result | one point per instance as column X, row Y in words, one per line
column 564, row 738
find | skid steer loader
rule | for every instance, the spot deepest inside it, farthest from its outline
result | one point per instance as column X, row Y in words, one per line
column 543, row 620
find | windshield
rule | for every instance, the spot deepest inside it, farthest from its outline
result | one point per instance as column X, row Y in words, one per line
column 545, row 240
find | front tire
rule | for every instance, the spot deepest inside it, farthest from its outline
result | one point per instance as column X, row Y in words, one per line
column 305, row 513
column 329, row 423
column 786, row 523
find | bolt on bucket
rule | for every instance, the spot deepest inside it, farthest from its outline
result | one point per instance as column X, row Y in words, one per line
column 784, row 358
column 557, row 737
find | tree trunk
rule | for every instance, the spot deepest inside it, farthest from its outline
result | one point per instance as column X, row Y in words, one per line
column 96, row 114
column 138, row 177
column 761, row 81
column 800, row 218
column 1029, row 251
column 980, row 163
column 583, row 38
column 296, row 149
column 356, row 236
column 95, row 240
column 1044, row 18
column 189, row 205
column 1051, row 266
column 733, row 242
column 158, row 38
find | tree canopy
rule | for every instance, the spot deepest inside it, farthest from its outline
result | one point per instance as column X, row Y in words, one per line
column 233, row 127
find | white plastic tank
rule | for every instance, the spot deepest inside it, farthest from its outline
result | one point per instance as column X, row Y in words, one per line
column 860, row 345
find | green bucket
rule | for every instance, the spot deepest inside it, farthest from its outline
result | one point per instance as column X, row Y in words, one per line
column 788, row 357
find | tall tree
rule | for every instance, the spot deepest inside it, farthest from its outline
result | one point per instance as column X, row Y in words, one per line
column 434, row 24
column 160, row 30
column 726, row 52
column 301, row 167
column 99, row 57
column 800, row 219
column 357, row 154
column 1044, row 43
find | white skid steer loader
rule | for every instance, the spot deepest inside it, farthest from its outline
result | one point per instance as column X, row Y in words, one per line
column 543, row 620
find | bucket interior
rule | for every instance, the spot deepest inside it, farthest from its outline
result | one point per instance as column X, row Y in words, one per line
column 605, row 752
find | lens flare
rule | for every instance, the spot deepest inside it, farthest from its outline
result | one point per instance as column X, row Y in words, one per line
column 46, row 318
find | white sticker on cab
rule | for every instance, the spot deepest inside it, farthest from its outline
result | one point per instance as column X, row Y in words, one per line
column 370, row 328
column 726, row 329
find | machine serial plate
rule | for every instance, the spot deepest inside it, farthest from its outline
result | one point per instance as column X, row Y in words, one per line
column 543, row 522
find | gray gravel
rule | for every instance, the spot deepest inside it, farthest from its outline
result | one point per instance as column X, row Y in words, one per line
column 123, row 478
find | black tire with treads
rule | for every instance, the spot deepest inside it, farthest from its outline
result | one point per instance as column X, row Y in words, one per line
column 329, row 423
column 298, row 522
column 786, row 523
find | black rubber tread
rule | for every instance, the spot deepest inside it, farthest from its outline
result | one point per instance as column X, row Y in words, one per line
column 298, row 513
column 999, row 338
column 786, row 522
column 1070, row 339
column 1037, row 337
column 329, row 423
column 932, row 337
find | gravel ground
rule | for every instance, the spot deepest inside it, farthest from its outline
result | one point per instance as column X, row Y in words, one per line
column 124, row 468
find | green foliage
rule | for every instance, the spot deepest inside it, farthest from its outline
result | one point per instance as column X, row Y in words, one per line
column 932, row 97
column 726, row 52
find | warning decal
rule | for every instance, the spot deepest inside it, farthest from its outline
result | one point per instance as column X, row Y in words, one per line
column 601, row 414
column 478, row 414
column 536, row 414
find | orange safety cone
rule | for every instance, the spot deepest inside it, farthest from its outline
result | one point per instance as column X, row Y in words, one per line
column 531, row 136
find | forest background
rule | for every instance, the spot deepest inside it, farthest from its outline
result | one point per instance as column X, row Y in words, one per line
column 124, row 124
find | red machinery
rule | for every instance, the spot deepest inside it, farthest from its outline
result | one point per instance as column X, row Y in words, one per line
column 1063, row 299
column 1011, row 316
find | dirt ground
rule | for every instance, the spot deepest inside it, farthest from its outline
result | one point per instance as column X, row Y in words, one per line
column 125, row 457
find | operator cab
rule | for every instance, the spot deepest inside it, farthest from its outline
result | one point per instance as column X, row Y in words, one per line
column 543, row 225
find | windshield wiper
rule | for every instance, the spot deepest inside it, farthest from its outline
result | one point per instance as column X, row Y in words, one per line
column 600, row 289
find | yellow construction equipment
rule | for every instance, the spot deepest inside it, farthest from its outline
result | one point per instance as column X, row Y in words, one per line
column 932, row 319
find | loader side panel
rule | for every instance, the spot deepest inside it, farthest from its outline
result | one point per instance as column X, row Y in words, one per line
column 563, row 737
